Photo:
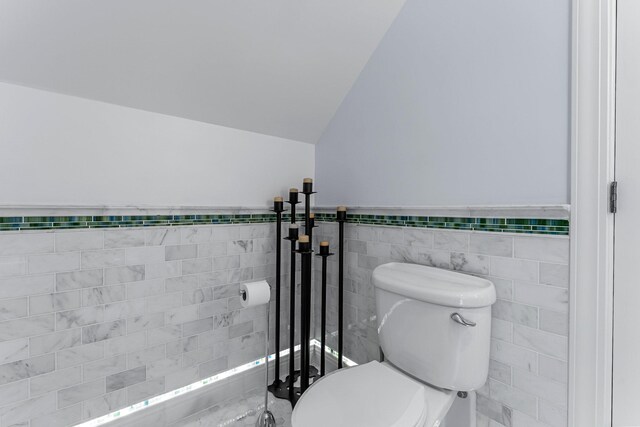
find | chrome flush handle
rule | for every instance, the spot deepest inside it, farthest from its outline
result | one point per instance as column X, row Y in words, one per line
column 456, row 317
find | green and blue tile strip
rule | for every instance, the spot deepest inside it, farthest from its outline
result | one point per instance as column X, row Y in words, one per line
column 505, row 225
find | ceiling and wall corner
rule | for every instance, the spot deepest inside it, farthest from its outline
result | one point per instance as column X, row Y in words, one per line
column 278, row 68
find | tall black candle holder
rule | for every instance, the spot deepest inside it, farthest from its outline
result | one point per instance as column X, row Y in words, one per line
column 293, row 238
column 304, row 249
column 324, row 253
column 278, row 387
column 341, row 217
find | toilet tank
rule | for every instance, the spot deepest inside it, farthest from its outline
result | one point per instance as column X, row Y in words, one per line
column 421, row 313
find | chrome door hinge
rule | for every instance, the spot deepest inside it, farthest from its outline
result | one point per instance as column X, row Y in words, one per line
column 613, row 197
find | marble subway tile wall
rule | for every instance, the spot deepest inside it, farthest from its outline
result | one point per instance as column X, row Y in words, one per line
column 94, row 320
column 527, row 383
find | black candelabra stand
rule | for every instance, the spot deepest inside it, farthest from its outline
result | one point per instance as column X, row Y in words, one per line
column 307, row 373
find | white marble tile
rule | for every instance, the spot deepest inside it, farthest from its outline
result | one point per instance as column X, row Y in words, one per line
column 13, row 266
column 197, row 326
column 553, row 391
column 125, row 344
column 62, row 418
column 145, row 288
column 178, row 252
column 553, row 321
column 13, row 308
column 79, row 280
column 451, row 241
column 79, row 317
column 390, row 235
column 177, row 316
column 554, row 369
column 53, row 263
column 48, row 303
column 514, row 355
column 26, row 243
column 516, row 313
column 164, row 335
column 548, row 249
column 103, row 295
column 126, row 378
column 102, row 405
column 195, row 266
column 124, row 309
column 104, row 367
column 26, row 368
column 226, row 262
column 470, row 263
column 103, row 331
column 53, row 342
column 14, row 392
column 550, row 297
column 144, row 255
column 26, row 327
column 542, row 342
column 26, row 285
column 491, row 244
column 198, row 234
column 127, row 274
column 502, row 330
column 80, row 392
column 523, row 420
column 61, row 378
column 553, row 415
column 163, row 270
column 78, row 240
column 36, row 407
column 146, row 356
column 554, row 274
column 500, row 372
column 513, row 398
column 163, row 302
column 78, row 355
column 509, row 268
column 145, row 321
column 213, row 249
column 162, row 236
column 114, row 239
column 104, row 258
column 11, row 351
column 139, row 392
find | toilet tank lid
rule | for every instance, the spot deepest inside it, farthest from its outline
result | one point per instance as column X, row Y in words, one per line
column 434, row 285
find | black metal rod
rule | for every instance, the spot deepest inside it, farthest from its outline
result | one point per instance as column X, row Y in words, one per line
column 305, row 309
column 341, row 217
column 278, row 267
column 323, row 321
column 292, row 321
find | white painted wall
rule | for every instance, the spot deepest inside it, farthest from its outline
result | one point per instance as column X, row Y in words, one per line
column 463, row 103
column 58, row 149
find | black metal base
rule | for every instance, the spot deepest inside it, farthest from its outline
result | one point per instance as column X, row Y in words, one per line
column 280, row 389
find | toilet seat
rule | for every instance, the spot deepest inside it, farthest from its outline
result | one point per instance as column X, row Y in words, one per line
column 371, row 395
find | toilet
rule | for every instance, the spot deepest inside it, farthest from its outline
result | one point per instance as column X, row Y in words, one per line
column 434, row 329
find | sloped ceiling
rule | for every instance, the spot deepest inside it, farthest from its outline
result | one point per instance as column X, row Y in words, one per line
column 278, row 67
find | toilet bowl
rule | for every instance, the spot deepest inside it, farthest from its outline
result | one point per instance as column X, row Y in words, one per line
column 434, row 329
column 373, row 395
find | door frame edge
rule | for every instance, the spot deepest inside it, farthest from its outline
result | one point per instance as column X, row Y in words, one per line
column 593, row 60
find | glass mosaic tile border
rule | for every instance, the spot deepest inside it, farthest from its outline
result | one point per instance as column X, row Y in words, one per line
column 499, row 225
column 505, row 225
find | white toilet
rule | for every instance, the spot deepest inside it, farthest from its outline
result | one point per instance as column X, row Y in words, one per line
column 434, row 328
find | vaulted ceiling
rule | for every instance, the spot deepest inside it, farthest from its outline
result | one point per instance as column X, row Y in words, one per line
column 278, row 67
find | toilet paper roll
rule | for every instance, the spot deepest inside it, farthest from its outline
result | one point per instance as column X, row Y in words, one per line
column 255, row 293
